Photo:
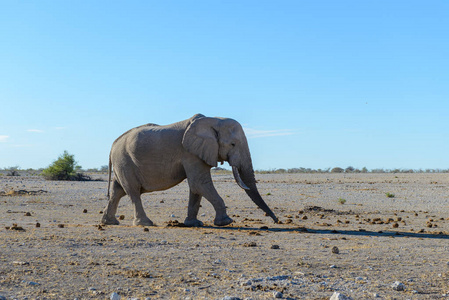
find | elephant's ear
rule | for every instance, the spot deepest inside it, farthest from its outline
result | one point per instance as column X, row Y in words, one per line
column 201, row 139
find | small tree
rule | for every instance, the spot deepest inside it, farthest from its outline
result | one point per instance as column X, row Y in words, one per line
column 337, row 170
column 64, row 168
column 13, row 171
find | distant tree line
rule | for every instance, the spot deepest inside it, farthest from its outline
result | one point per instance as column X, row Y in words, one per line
column 16, row 170
column 349, row 169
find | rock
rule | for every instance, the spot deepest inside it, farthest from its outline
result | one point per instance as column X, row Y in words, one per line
column 230, row 298
column 398, row 286
column 338, row 296
column 246, row 283
column 335, row 250
column 114, row 296
column 278, row 295
column 275, row 247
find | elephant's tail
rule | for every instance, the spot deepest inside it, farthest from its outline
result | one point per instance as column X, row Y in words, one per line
column 109, row 176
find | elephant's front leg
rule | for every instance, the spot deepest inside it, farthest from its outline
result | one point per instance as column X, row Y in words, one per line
column 200, row 183
column 192, row 211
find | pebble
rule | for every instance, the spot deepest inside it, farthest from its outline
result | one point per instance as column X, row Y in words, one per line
column 335, row 250
column 338, row 296
column 114, row 296
column 278, row 295
column 398, row 286
column 230, row 298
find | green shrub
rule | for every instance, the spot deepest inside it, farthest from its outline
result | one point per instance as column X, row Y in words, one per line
column 341, row 200
column 64, row 168
column 389, row 195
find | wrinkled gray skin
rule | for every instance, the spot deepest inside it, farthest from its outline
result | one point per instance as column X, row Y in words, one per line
column 154, row 158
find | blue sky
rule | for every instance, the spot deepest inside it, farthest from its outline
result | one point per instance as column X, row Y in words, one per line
column 315, row 84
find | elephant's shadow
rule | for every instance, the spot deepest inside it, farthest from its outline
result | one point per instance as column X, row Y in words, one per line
column 439, row 235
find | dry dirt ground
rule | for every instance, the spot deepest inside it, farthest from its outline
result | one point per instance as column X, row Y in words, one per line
column 380, row 240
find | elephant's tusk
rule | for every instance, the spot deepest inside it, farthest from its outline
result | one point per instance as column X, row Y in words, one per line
column 237, row 178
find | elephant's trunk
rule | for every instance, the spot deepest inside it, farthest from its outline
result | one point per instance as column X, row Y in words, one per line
column 246, row 180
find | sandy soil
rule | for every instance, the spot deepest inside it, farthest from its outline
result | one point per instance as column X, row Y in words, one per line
column 380, row 240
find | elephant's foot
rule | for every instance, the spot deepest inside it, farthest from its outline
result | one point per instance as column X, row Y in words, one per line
column 145, row 221
column 193, row 223
column 223, row 221
column 106, row 220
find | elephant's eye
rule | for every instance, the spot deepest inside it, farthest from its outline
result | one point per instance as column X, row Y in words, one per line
column 233, row 144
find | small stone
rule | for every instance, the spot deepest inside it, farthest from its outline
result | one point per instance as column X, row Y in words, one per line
column 84, row 211
column 398, row 286
column 278, row 295
column 28, row 214
column 338, row 296
column 335, row 250
column 333, row 267
column 61, row 225
column 114, row 296
column 146, row 229
column 121, row 217
column 275, row 247
column 38, row 225
column 172, row 216
column 246, row 283
column 33, row 283
column 230, row 298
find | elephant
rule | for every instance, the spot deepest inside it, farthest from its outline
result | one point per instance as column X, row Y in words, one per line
column 152, row 157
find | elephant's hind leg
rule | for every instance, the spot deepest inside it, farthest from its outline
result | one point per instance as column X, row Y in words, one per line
column 111, row 209
column 192, row 213
column 140, row 217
